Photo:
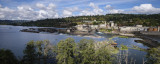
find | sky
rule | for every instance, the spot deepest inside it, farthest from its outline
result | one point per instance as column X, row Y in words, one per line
column 41, row 9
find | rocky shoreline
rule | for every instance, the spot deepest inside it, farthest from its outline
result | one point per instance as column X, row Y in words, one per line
column 146, row 39
column 64, row 31
column 38, row 30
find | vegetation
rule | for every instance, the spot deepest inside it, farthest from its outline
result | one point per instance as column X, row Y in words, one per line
column 105, row 30
column 123, row 36
column 12, row 22
column 65, row 52
column 7, row 57
column 138, row 48
column 60, row 22
column 123, row 47
column 153, row 56
column 69, row 52
column 120, row 19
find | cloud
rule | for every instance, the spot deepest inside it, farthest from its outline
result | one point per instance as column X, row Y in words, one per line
column 108, row 7
column 94, row 11
column 6, row 12
column 73, row 9
column 111, row 10
column 51, row 6
column 48, row 12
column 42, row 10
column 145, row 9
column 41, row 6
column 86, row 12
column 25, row 12
column 69, row 11
column 115, row 11
column 93, row 5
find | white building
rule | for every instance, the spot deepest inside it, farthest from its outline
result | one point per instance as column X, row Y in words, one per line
column 139, row 26
column 102, row 26
column 83, row 27
column 94, row 26
column 133, row 28
column 158, row 28
column 112, row 23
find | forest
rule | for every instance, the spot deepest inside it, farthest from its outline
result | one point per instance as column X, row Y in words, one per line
column 120, row 19
column 70, row 52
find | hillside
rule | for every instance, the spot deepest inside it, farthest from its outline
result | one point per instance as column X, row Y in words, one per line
column 120, row 19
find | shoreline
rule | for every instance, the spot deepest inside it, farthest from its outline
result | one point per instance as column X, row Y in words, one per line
column 150, row 42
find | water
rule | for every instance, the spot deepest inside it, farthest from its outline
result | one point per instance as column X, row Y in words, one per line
column 11, row 38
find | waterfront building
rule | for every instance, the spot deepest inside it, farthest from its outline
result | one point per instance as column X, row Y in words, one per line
column 153, row 29
column 133, row 28
column 158, row 28
column 139, row 25
column 102, row 26
column 83, row 27
column 111, row 25
column 94, row 26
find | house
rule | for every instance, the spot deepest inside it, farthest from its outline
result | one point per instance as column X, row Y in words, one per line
column 83, row 27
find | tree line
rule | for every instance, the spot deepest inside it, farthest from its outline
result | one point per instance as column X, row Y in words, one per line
column 65, row 52
column 120, row 19
column 69, row 52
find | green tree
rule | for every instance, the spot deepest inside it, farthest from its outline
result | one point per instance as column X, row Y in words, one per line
column 66, row 51
column 47, row 51
column 7, row 57
column 153, row 56
column 30, row 54
column 86, row 51
column 40, row 50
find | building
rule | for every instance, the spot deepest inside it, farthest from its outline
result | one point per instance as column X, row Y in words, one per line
column 102, row 26
column 139, row 26
column 94, row 26
column 133, row 28
column 153, row 29
column 111, row 25
column 83, row 27
column 158, row 28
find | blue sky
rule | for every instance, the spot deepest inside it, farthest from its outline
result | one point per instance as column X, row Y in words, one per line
column 40, row 9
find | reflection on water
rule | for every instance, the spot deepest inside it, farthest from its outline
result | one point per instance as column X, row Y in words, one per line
column 11, row 38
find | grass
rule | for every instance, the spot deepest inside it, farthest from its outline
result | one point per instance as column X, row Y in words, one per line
column 124, row 47
column 105, row 30
column 137, row 48
column 123, row 36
